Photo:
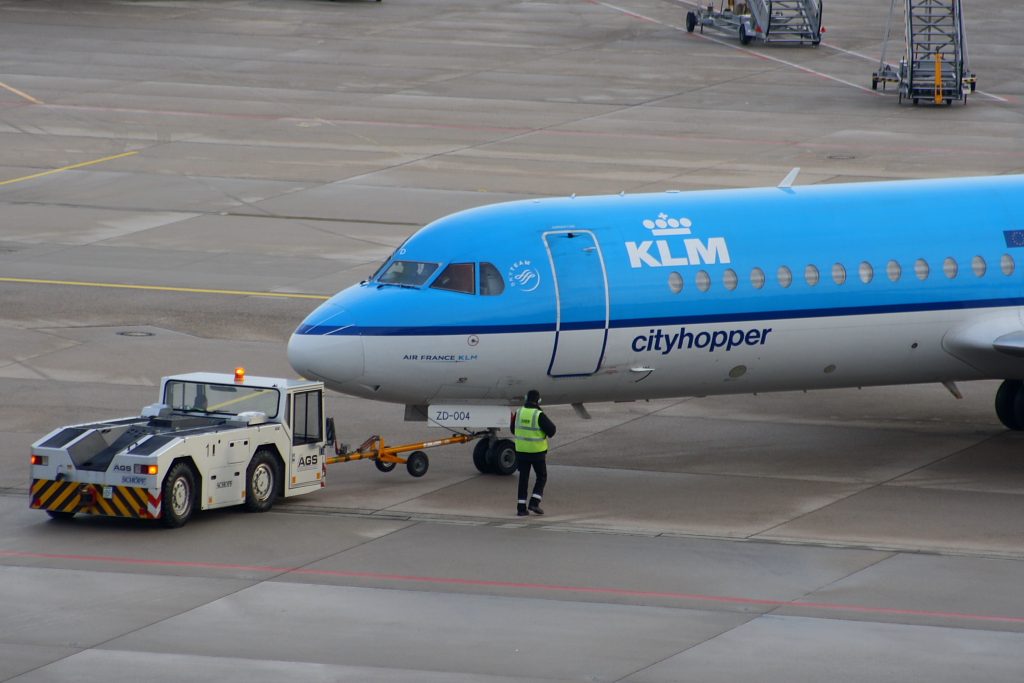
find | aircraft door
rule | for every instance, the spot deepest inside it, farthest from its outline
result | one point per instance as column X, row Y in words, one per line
column 581, row 294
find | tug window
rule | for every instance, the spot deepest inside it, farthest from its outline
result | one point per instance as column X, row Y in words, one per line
column 307, row 427
column 412, row 273
column 491, row 282
column 457, row 277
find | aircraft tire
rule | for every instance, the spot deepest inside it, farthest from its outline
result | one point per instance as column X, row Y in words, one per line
column 502, row 457
column 480, row 456
column 1010, row 404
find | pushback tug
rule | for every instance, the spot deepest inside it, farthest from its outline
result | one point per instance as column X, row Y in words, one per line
column 213, row 440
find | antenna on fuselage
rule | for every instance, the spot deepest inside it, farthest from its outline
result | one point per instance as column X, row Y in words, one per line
column 788, row 180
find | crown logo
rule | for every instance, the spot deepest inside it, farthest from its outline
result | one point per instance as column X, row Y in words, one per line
column 669, row 226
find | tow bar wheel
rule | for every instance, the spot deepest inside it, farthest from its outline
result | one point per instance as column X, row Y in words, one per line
column 417, row 463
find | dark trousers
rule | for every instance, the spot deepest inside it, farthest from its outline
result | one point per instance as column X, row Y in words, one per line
column 539, row 464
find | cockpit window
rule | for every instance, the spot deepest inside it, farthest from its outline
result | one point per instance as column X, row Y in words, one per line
column 411, row 273
column 457, row 277
column 491, row 282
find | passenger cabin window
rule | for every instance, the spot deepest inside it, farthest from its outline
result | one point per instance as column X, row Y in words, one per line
column 757, row 278
column 894, row 271
column 839, row 273
column 1006, row 264
column 307, row 426
column 491, row 282
column 979, row 266
column 457, row 277
column 411, row 273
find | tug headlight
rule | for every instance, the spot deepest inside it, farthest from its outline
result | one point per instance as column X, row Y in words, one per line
column 41, row 460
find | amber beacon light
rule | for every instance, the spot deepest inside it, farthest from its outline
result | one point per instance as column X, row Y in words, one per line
column 239, row 374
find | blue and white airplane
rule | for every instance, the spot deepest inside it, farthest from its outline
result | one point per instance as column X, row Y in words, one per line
column 630, row 297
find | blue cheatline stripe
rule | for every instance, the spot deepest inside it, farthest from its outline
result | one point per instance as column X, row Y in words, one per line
column 333, row 330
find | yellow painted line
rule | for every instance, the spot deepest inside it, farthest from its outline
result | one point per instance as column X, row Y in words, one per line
column 67, row 168
column 162, row 289
column 18, row 92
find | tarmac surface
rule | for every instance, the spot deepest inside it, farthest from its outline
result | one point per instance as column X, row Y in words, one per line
column 235, row 162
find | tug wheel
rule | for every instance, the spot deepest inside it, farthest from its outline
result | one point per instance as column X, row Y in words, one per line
column 178, row 496
column 502, row 457
column 480, row 456
column 60, row 515
column 261, row 482
column 417, row 463
column 384, row 466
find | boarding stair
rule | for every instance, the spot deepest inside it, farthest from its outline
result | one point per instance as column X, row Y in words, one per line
column 934, row 68
column 788, row 21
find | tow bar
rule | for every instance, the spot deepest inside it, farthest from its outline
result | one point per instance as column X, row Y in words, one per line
column 386, row 457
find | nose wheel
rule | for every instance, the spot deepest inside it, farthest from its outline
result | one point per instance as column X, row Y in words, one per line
column 1010, row 404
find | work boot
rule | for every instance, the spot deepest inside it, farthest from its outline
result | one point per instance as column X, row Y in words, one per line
column 535, row 506
column 521, row 510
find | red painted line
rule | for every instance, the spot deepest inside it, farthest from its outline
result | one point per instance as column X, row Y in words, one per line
column 506, row 584
column 521, row 131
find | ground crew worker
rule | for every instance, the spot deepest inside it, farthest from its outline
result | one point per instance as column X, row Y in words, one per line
column 532, row 429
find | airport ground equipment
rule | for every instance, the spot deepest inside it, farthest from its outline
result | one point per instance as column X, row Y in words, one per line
column 772, row 21
column 935, row 68
column 213, row 440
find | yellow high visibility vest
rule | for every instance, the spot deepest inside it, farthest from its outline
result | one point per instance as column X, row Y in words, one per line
column 530, row 438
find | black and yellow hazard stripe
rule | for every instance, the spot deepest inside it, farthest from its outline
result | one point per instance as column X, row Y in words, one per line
column 66, row 496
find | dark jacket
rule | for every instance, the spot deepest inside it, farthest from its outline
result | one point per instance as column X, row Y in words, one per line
column 546, row 425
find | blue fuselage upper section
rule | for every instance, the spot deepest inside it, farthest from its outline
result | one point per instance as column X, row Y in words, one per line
column 667, row 260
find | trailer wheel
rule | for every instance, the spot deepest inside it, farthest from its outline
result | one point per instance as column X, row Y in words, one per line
column 744, row 38
column 384, row 466
column 691, row 22
column 60, row 515
column 261, row 482
column 502, row 457
column 480, row 456
column 417, row 463
column 178, row 496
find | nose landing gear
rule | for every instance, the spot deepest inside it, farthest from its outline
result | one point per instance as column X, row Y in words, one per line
column 1010, row 404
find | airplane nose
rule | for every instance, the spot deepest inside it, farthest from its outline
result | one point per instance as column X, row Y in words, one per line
column 327, row 346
